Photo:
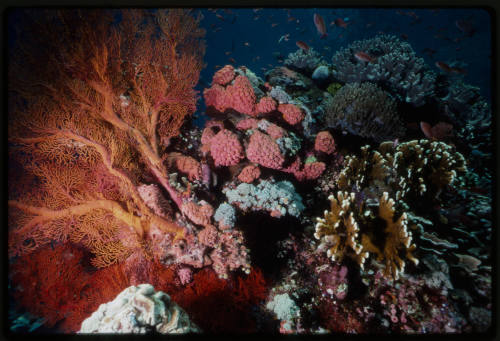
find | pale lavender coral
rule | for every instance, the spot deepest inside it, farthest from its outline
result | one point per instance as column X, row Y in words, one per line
column 395, row 64
column 304, row 61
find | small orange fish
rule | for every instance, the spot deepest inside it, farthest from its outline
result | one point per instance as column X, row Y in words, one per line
column 227, row 53
column 220, row 16
column 320, row 25
column 291, row 19
column 231, row 60
column 443, row 66
column 274, row 24
column 340, row 23
column 364, row 57
column 303, row 45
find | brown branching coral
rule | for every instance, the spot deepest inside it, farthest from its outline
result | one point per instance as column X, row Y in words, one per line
column 357, row 228
column 410, row 169
column 90, row 97
column 366, row 110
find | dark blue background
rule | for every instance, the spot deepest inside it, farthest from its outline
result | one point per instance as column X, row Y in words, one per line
column 434, row 29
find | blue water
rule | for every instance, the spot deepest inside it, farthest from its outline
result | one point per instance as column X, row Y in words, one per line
column 425, row 29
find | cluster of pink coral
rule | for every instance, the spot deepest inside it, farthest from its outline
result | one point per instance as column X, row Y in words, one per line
column 224, row 75
column 266, row 105
column 291, row 113
column 262, row 149
column 247, row 123
column 241, row 96
column 198, row 214
column 324, row 142
column 249, row 174
column 310, row 171
column 225, row 148
column 238, row 95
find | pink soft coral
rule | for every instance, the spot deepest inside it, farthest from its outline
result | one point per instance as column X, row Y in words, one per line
column 249, row 174
column 266, row 105
column 262, row 149
column 224, row 75
column 241, row 95
column 324, row 142
column 226, row 149
column 291, row 113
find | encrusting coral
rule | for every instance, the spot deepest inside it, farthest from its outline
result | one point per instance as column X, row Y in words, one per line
column 353, row 228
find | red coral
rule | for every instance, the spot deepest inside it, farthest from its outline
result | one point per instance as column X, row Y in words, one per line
column 262, row 149
column 247, row 123
column 224, row 75
column 216, row 97
column 241, row 96
column 217, row 305
column 52, row 283
column 265, row 105
column 291, row 113
column 226, row 149
column 324, row 142
column 249, row 174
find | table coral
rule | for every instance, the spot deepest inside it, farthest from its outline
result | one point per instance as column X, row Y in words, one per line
column 349, row 228
column 395, row 63
column 366, row 110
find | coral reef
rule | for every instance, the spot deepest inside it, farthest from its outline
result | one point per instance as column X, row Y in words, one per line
column 278, row 198
column 366, row 110
column 305, row 61
column 395, row 63
column 350, row 228
column 138, row 310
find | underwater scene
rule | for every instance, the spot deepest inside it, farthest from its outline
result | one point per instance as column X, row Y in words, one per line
column 250, row 170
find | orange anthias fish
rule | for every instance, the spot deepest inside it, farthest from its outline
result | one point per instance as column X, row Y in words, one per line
column 340, row 22
column 302, row 45
column 364, row 57
column 446, row 68
column 320, row 25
